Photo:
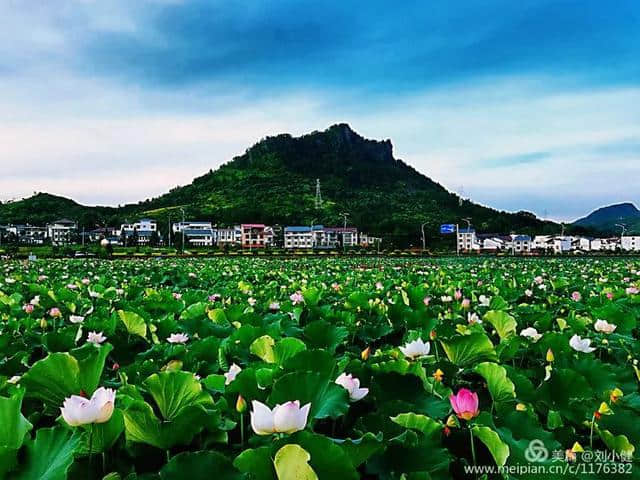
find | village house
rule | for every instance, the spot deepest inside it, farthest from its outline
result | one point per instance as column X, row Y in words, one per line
column 144, row 230
column 61, row 231
column 630, row 243
column 197, row 234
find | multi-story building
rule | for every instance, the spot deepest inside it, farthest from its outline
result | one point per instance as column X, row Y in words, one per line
column 298, row 237
column 367, row 241
column 256, row 235
column 197, row 234
column 467, row 240
column 231, row 236
column 61, row 231
column 144, row 230
column 520, row 243
column 630, row 243
column 334, row 237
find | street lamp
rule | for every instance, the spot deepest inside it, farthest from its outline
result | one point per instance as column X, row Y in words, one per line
column 424, row 243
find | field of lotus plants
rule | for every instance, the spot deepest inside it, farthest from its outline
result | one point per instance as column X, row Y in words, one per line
column 310, row 369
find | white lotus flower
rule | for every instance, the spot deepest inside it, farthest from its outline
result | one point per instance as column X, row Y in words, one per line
column 484, row 300
column 76, row 319
column 286, row 418
column 416, row 349
column 96, row 338
column 604, row 326
column 78, row 410
column 581, row 344
column 352, row 385
column 230, row 376
column 531, row 333
column 178, row 338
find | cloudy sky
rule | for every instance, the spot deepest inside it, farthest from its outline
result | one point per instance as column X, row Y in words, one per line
column 529, row 105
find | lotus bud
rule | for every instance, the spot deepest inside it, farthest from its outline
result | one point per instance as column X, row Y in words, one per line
column 615, row 395
column 433, row 334
column 364, row 355
column 550, row 357
column 43, row 323
column 437, row 375
column 604, row 409
column 521, row 407
column 452, row 421
column 577, row 448
column 241, row 404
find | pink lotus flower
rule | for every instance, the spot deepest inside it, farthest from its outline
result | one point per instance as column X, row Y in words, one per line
column 576, row 297
column 296, row 298
column 178, row 338
column 466, row 303
column 352, row 385
column 632, row 291
column 215, row 297
column 457, row 295
column 274, row 306
column 426, row 301
column 86, row 281
column 465, row 404
column 28, row 308
column 177, row 296
column 55, row 312
column 610, row 295
column 96, row 338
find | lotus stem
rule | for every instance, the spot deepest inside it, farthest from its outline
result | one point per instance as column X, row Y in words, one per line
column 593, row 419
column 90, row 450
column 241, row 430
column 473, row 448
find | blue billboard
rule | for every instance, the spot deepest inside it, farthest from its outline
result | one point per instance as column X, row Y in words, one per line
column 448, row 228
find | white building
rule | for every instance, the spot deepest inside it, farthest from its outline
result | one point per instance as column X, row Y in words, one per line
column 630, row 243
column 298, row 237
column 562, row 244
column 61, row 231
column 467, row 239
column 197, row 234
column 144, row 229
column 367, row 241
column 231, row 236
column 521, row 243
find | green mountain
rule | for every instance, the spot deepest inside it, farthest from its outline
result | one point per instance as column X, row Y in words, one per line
column 274, row 182
column 606, row 219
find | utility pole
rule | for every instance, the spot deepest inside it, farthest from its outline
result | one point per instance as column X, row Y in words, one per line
column 182, row 228
column 318, row 201
column 313, row 235
column 344, row 232
column 424, row 242
column 170, row 232
column 83, row 236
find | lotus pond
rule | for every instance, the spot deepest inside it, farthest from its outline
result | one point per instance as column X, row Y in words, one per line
column 319, row 369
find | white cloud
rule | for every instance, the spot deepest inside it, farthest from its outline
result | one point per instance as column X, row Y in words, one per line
column 98, row 142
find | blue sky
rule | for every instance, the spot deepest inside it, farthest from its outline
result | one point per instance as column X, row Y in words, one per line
column 518, row 105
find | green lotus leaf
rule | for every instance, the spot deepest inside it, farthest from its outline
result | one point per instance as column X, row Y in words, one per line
column 291, row 463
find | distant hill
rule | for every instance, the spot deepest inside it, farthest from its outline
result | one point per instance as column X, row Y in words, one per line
column 274, row 182
column 605, row 219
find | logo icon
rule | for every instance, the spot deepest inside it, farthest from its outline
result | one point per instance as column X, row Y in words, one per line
column 536, row 451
